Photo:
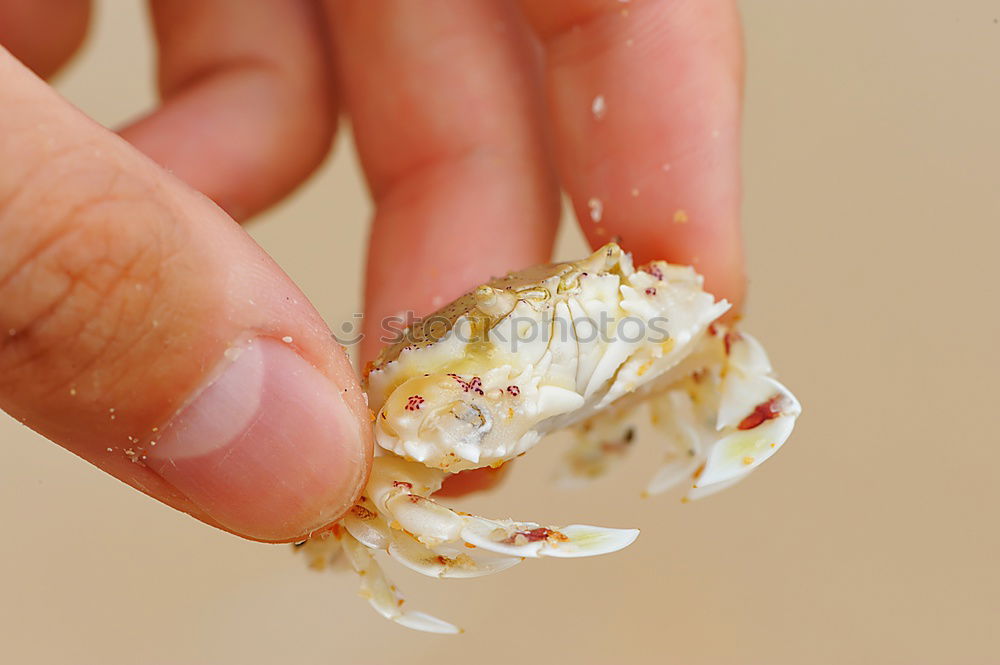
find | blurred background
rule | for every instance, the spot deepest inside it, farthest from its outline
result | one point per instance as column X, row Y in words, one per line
column 872, row 213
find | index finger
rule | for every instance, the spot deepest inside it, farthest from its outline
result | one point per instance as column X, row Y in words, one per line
column 645, row 100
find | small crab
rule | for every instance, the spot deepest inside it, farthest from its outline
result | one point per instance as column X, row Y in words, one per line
column 579, row 345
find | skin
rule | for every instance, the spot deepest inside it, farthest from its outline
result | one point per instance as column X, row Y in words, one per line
column 123, row 279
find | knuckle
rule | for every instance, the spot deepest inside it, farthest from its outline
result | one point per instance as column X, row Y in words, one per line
column 76, row 292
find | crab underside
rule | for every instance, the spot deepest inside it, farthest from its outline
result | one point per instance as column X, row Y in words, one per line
column 580, row 346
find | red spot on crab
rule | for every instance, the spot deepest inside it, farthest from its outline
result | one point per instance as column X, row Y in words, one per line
column 514, row 391
column 402, row 483
column 763, row 412
column 413, row 402
column 651, row 291
column 655, row 272
column 475, row 384
column 534, row 535
column 362, row 513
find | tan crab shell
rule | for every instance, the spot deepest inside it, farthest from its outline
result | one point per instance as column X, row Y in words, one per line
column 578, row 344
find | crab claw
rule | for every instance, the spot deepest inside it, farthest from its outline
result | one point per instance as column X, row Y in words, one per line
column 746, row 448
column 756, row 415
column 725, row 420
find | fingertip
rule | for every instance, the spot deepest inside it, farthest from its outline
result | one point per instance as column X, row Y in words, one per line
column 148, row 334
column 712, row 246
column 44, row 34
column 269, row 449
column 248, row 111
column 645, row 101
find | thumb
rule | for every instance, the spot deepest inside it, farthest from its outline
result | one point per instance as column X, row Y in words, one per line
column 143, row 330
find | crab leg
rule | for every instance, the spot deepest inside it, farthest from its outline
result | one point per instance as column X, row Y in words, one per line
column 383, row 596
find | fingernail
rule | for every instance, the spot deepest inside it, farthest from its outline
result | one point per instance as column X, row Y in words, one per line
column 268, row 449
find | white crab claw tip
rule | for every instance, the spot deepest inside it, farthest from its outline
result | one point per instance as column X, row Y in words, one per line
column 426, row 623
column 701, row 491
column 744, row 450
column 748, row 355
column 531, row 540
column 585, row 540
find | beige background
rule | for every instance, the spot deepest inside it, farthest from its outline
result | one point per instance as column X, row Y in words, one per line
column 872, row 215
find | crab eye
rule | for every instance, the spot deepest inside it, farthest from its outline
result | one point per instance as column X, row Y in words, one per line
column 458, row 421
column 469, row 413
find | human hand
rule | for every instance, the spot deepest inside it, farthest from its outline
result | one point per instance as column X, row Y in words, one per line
column 124, row 293
column 470, row 116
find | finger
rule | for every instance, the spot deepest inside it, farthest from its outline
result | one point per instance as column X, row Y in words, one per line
column 43, row 34
column 645, row 103
column 145, row 332
column 444, row 105
column 247, row 108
